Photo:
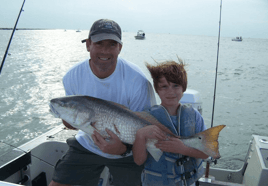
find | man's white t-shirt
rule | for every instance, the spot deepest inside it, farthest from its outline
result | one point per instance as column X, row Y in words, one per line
column 127, row 86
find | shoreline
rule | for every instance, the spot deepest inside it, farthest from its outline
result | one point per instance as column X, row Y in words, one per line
column 27, row 29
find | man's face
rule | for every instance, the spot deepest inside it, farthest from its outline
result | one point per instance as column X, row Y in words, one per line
column 104, row 53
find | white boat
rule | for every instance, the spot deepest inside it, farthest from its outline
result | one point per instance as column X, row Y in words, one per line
column 32, row 164
column 140, row 35
column 237, row 39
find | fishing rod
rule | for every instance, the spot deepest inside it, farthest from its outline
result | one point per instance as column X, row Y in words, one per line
column 216, row 75
column 4, row 58
column 26, row 152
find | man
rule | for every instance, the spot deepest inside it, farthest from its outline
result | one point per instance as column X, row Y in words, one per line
column 109, row 77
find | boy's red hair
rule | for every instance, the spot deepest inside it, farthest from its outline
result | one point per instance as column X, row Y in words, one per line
column 173, row 72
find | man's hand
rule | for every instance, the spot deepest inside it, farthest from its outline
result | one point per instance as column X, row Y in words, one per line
column 114, row 146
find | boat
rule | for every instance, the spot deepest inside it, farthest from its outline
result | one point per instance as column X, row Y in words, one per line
column 32, row 163
column 237, row 39
column 78, row 30
column 140, row 35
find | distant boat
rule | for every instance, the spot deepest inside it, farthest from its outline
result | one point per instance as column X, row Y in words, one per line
column 78, row 30
column 237, row 39
column 140, row 35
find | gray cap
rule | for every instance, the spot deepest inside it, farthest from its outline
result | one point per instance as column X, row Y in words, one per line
column 103, row 29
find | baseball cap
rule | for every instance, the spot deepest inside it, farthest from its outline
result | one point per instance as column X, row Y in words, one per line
column 103, row 29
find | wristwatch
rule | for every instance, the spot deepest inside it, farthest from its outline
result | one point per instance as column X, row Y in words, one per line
column 129, row 148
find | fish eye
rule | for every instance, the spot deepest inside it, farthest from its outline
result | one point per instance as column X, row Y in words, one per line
column 199, row 137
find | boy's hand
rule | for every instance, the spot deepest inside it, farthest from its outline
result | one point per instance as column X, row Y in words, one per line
column 151, row 132
column 173, row 145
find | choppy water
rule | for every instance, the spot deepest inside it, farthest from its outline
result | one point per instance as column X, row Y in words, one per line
column 38, row 60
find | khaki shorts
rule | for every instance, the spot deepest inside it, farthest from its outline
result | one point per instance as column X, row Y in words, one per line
column 82, row 167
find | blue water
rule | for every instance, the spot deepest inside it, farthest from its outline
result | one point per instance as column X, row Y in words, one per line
column 38, row 59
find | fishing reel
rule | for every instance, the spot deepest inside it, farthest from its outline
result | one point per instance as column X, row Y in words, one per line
column 210, row 160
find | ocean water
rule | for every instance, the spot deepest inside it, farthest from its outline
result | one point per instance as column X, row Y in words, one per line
column 38, row 59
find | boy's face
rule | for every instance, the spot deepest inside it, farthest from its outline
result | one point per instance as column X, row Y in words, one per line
column 169, row 93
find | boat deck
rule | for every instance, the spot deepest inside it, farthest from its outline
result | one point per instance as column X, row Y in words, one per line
column 59, row 134
column 41, row 154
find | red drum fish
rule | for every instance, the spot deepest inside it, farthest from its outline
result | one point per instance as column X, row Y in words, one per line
column 88, row 114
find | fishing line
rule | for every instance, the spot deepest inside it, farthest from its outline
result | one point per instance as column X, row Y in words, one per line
column 27, row 152
column 216, row 74
column 4, row 58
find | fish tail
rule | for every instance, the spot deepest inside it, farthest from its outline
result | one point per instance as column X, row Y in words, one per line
column 210, row 140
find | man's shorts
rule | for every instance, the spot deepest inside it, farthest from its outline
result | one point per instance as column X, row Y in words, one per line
column 82, row 167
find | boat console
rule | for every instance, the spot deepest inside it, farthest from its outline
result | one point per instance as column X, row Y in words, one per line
column 193, row 98
column 257, row 164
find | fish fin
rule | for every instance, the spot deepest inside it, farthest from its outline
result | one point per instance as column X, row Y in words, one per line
column 88, row 128
column 119, row 105
column 210, row 140
column 155, row 152
column 111, row 102
column 151, row 119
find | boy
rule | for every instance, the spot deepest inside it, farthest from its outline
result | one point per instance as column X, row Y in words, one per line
column 179, row 164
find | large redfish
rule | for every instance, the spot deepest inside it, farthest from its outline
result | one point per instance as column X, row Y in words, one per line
column 88, row 114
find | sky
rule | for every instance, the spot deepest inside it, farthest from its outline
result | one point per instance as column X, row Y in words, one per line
column 246, row 18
